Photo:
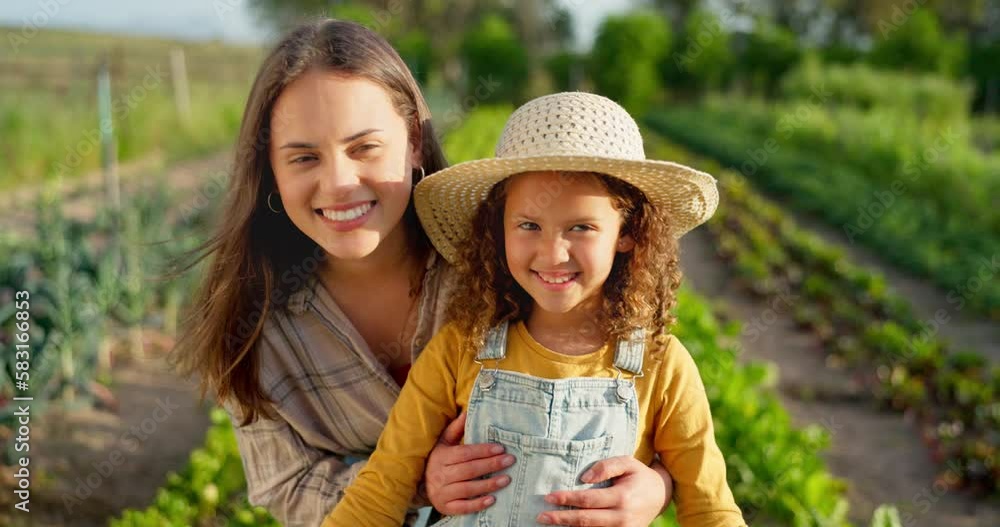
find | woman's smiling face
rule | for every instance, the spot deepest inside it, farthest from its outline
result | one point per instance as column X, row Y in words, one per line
column 342, row 161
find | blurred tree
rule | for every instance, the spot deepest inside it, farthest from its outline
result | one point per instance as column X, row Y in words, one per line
column 625, row 58
column 496, row 64
column 677, row 11
column 564, row 69
column 917, row 43
column 771, row 50
column 415, row 49
column 430, row 34
column 703, row 53
column 984, row 68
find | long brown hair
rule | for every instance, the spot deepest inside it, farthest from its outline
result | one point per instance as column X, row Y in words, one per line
column 251, row 247
column 639, row 293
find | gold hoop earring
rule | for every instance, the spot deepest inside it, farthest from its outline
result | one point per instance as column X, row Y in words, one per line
column 269, row 194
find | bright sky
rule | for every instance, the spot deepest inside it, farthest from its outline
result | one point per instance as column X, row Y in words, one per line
column 229, row 20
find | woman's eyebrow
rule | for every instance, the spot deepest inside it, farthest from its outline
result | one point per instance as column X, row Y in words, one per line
column 348, row 139
column 362, row 133
column 297, row 144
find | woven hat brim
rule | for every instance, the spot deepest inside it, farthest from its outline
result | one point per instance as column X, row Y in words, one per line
column 447, row 200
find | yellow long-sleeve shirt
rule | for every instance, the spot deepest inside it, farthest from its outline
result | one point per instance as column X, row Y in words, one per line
column 674, row 421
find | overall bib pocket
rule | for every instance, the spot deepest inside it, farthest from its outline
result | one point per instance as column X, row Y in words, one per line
column 543, row 465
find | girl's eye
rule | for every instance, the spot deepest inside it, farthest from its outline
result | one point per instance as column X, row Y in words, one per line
column 303, row 159
column 582, row 227
column 528, row 226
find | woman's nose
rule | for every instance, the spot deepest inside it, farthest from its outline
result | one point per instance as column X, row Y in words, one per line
column 339, row 175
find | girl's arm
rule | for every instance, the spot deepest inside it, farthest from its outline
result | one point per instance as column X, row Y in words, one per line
column 381, row 492
column 685, row 441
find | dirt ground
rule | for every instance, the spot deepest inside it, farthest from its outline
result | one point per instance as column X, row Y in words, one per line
column 89, row 464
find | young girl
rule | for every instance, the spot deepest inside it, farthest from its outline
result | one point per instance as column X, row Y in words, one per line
column 558, row 345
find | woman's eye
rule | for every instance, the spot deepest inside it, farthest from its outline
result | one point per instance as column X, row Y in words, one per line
column 366, row 147
column 303, row 159
column 528, row 226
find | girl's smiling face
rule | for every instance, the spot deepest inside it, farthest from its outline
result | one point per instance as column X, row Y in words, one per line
column 342, row 160
column 561, row 234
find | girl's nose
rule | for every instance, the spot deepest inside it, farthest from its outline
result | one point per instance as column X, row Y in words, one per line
column 554, row 250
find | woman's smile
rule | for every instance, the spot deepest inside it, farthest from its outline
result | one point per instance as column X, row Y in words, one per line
column 347, row 217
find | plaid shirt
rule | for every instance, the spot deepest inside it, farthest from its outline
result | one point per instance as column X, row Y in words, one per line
column 332, row 397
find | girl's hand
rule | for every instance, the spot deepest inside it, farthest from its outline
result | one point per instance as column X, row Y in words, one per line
column 639, row 494
column 453, row 471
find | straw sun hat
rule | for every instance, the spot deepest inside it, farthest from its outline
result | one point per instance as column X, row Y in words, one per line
column 570, row 131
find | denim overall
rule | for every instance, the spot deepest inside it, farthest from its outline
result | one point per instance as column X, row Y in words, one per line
column 555, row 428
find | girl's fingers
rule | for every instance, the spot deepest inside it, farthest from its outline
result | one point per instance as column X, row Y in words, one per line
column 606, row 498
column 453, row 433
column 580, row 517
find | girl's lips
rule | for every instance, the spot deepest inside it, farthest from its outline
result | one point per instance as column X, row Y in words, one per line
column 348, row 225
column 556, row 287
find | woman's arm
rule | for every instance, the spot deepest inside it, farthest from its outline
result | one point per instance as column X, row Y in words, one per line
column 379, row 495
column 639, row 494
column 296, row 483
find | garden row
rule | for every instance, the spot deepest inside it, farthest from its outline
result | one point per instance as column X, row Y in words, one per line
column 922, row 196
column 210, row 490
column 864, row 326
column 92, row 286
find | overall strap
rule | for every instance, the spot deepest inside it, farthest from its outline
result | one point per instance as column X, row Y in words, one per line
column 496, row 343
column 629, row 352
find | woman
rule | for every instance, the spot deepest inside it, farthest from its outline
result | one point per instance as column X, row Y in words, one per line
column 322, row 288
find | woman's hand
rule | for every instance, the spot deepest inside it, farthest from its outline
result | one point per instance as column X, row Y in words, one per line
column 639, row 494
column 453, row 471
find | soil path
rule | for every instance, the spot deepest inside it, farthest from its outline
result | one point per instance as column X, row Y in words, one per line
column 879, row 454
column 963, row 328
column 97, row 462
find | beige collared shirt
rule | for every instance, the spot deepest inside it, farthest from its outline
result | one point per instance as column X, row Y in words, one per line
column 332, row 396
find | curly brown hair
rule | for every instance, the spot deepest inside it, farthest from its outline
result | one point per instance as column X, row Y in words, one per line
column 639, row 293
